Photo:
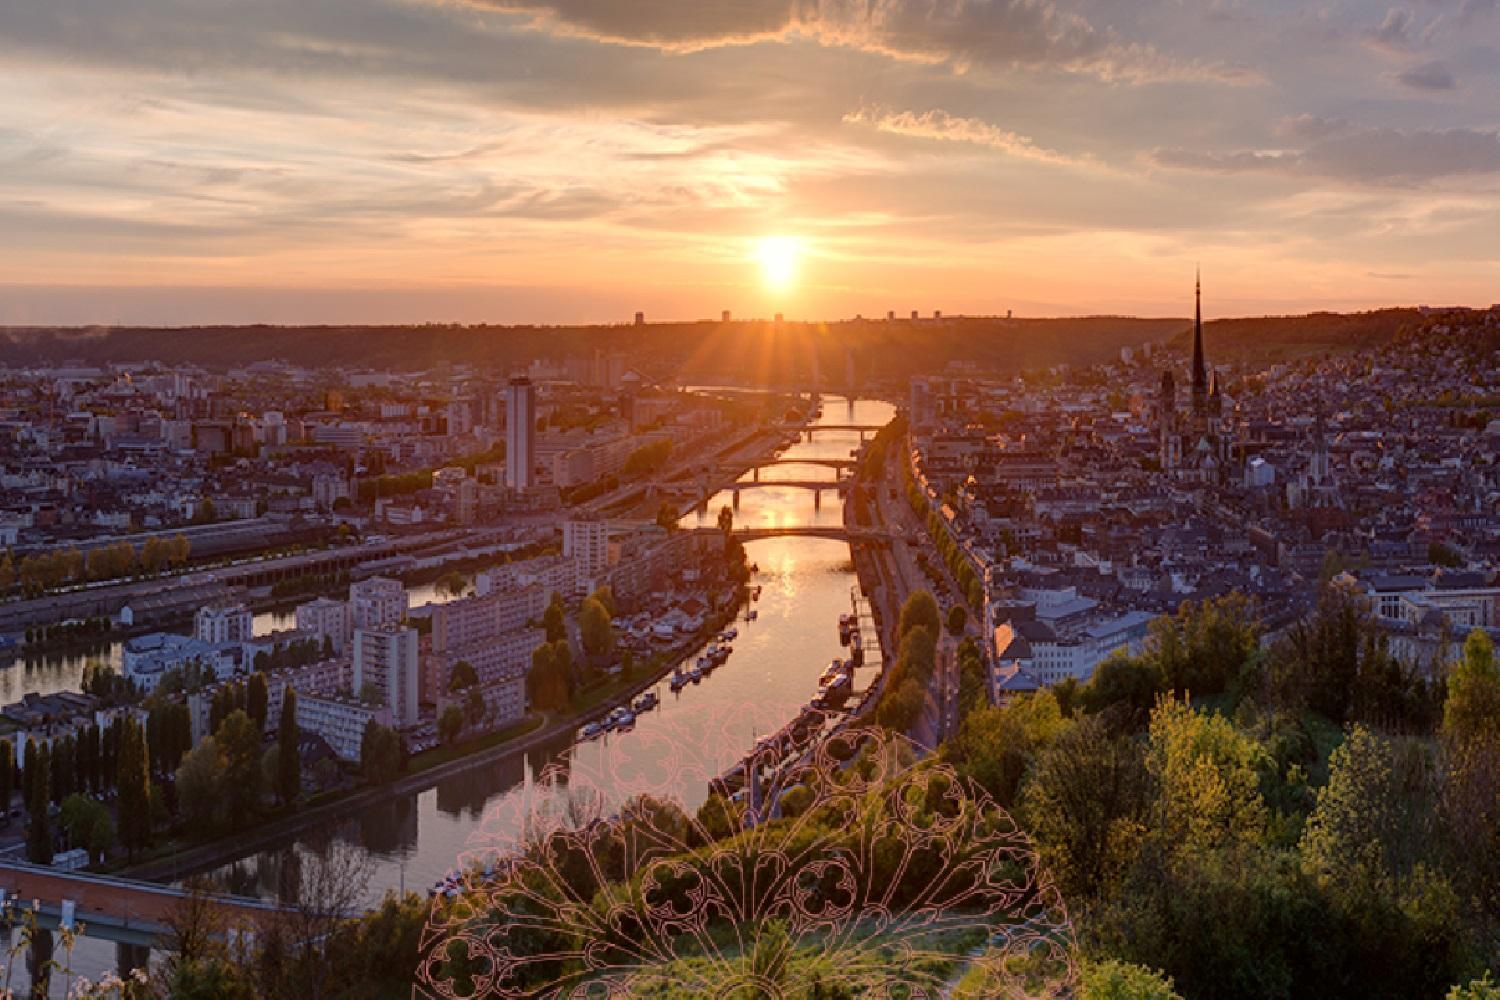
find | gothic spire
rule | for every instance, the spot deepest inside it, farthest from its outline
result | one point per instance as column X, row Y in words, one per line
column 1200, row 372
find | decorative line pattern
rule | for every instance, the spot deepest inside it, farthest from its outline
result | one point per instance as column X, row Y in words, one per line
column 856, row 870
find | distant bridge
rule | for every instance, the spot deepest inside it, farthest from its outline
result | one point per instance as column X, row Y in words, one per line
column 865, row 430
column 837, row 532
column 837, row 464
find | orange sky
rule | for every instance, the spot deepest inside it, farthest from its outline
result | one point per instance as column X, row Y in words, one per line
column 575, row 160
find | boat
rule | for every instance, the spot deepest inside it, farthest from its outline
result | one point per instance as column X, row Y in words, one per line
column 730, row 634
column 695, row 675
column 833, row 671
column 592, row 730
column 621, row 718
column 679, row 681
column 646, row 702
column 751, row 615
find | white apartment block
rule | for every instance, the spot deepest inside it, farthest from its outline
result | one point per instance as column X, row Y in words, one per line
column 340, row 721
column 222, row 622
column 386, row 658
column 375, row 602
column 327, row 619
column 587, row 544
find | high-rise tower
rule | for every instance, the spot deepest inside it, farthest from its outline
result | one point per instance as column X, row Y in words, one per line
column 1200, row 370
column 520, row 433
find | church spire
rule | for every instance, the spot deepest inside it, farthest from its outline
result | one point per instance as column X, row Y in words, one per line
column 1200, row 372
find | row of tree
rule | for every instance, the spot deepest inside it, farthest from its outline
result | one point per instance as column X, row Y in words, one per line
column 40, row 572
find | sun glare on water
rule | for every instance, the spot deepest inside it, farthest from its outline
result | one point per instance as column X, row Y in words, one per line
column 778, row 257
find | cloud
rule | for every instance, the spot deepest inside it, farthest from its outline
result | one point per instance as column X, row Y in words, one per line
column 1428, row 76
column 1360, row 154
column 962, row 34
column 1395, row 32
column 939, row 125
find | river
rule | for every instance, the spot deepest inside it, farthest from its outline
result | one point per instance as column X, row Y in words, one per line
column 413, row 840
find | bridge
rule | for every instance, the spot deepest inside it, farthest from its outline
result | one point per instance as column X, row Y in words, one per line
column 136, row 916
column 865, row 430
column 836, row 532
column 836, row 464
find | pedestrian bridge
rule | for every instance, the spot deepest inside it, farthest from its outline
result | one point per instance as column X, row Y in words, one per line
column 837, row 532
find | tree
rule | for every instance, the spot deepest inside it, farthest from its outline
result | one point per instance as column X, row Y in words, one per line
column 462, row 678
column 899, row 709
column 257, row 700
column 552, row 619
column 958, row 620
column 475, row 708
column 7, row 779
column 1207, row 774
column 726, row 519
column 134, row 784
column 200, row 787
column 1478, row 989
column 605, row 595
column 288, row 759
column 450, row 724
column 1086, row 801
column 38, row 804
column 88, row 824
column 1473, row 704
column 596, row 629
column 1114, row 980
column 545, row 688
column 239, row 742
column 920, row 609
column 1205, row 646
column 381, row 755
column 666, row 516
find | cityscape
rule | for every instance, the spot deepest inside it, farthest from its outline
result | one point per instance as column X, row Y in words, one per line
column 982, row 499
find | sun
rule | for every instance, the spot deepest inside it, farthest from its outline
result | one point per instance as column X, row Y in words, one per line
column 778, row 257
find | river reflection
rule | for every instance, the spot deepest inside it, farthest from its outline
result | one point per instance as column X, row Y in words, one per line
column 806, row 583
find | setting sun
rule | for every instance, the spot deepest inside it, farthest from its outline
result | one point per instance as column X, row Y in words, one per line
column 778, row 260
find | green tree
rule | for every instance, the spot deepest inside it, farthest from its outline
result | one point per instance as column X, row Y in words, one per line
column 288, row 759
column 552, row 620
column 39, row 826
column 1478, row 989
column 596, row 629
column 450, row 724
column 239, row 743
column 1112, row 980
column 462, row 677
column 920, row 610
column 7, row 779
column 257, row 700
column 605, row 595
column 958, row 620
column 134, row 785
column 1206, row 646
column 201, row 794
column 1207, row 774
column 1473, row 704
column 475, row 708
column 1087, row 801
column 381, row 755
column 88, row 824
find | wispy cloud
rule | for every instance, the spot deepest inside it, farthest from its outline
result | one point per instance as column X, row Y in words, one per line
column 939, row 125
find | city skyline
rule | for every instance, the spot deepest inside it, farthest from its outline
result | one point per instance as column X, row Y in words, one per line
column 568, row 162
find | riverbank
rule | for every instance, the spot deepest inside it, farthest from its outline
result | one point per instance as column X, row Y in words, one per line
column 424, row 771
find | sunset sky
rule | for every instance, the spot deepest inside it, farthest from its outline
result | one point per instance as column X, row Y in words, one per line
column 181, row 161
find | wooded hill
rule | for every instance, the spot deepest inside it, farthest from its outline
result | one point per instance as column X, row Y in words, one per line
column 742, row 351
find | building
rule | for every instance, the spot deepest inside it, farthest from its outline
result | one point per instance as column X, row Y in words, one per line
column 339, row 721
column 586, row 542
column 520, row 433
column 327, row 619
column 385, row 660
column 376, row 602
column 223, row 621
